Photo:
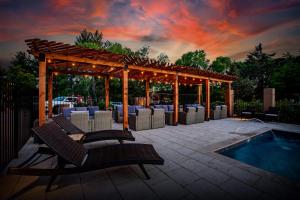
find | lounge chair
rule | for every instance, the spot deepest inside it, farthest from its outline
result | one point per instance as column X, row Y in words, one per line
column 72, row 130
column 81, row 159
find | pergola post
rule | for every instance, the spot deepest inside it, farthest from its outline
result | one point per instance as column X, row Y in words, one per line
column 175, row 101
column 147, row 93
column 50, row 94
column 207, row 102
column 199, row 93
column 229, row 99
column 125, row 97
column 42, row 89
column 106, row 92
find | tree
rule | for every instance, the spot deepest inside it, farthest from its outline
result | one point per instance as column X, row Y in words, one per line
column 221, row 64
column 2, row 71
column 89, row 40
column 23, row 71
column 143, row 52
column 286, row 76
column 259, row 68
column 195, row 59
column 115, row 47
column 163, row 58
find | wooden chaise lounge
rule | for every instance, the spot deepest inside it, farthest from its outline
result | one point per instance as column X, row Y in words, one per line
column 81, row 159
column 87, row 137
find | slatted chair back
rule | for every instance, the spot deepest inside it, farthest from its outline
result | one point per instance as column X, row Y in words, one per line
column 67, row 125
column 59, row 142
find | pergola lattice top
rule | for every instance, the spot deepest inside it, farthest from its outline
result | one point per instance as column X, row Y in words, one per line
column 71, row 59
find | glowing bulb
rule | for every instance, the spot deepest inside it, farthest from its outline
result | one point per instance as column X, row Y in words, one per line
column 185, row 78
column 49, row 60
column 155, row 74
column 166, row 75
column 142, row 72
column 193, row 79
column 73, row 64
column 94, row 66
column 55, row 73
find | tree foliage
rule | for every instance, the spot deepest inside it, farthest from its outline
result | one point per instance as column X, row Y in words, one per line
column 23, row 71
column 194, row 59
column 89, row 40
column 221, row 64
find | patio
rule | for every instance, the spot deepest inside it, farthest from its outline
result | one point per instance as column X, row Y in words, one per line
column 191, row 171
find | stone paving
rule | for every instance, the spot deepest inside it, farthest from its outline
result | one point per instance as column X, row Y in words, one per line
column 192, row 169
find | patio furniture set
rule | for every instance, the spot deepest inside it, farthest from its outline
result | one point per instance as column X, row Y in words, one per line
column 73, row 157
column 272, row 114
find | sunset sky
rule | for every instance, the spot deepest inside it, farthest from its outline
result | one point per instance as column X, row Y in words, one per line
column 220, row 27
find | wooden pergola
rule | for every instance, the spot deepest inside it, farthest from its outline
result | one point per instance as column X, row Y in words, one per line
column 57, row 57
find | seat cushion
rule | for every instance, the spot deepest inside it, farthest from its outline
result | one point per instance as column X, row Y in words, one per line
column 67, row 112
column 81, row 108
column 92, row 110
column 131, row 109
column 170, row 108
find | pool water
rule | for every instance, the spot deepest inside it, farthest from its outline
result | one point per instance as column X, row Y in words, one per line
column 274, row 151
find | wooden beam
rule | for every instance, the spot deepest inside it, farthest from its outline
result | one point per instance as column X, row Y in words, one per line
column 175, row 101
column 199, row 93
column 42, row 90
column 50, row 94
column 207, row 102
column 131, row 67
column 125, row 97
column 147, row 93
column 106, row 92
column 229, row 100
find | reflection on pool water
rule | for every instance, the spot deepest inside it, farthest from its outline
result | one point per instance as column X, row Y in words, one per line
column 274, row 151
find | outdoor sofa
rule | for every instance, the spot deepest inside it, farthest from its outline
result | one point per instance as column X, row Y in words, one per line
column 119, row 112
column 169, row 110
column 140, row 120
column 86, row 137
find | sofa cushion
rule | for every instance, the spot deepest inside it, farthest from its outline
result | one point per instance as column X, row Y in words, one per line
column 131, row 109
column 81, row 108
column 92, row 110
column 67, row 112
column 170, row 108
column 158, row 106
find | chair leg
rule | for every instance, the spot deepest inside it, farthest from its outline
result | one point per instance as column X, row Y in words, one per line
column 52, row 179
column 121, row 141
column 144, row 171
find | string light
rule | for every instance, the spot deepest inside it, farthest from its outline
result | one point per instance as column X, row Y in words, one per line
column 193, row 79
column 94, row 66
column 166, row 75
column 185, row 78
column 110, row 78
column 99, row 76
column 191, row 85
column 49, row 60
column 55, row 73
column 155, row 74
column 73, row 64
column 150, row 81
column 142, row 72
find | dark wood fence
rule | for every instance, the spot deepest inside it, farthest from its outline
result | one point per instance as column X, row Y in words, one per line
column 16, row 119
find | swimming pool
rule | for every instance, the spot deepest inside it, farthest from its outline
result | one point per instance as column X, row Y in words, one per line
column 274, row 151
